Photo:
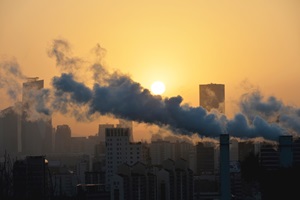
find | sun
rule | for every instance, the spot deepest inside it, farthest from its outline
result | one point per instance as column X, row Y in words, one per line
column 158, row 88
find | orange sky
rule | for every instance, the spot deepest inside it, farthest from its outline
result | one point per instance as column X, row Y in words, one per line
column 183, row 44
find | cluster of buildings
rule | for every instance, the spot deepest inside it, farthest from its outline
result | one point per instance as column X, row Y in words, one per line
column 48, row 163
column 133, row 170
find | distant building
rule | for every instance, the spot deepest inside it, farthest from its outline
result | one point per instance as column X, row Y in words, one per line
column 134, row 182
column 296, row 152
column 63, row 139
column 10, row 130
column 120, row 149
column 212, row 96
column 78, row 145
column 175, row 180
column 205, row 159
column 161, row 150
column 234, row 150
column 170, row 180
column 245, row 148
column 101, row 130
column 269, row 156
column 37, row 128
column 64, row 180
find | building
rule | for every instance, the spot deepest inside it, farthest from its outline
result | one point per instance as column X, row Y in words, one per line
column 296, row 152
column 62, row 139
column 121, row 149
column 175, row 180
column 269, row 156
column 205, row 159
column 64, row 180
column 212, row 96
column 134, row 182
column 101, row 130
column 170, row 180
column 31, row 178
column 36, row 128
column 10, row 129
column 246, row 148
column 234, row 150
column 161, row 150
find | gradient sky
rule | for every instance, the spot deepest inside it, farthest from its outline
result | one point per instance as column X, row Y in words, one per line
column 184, row 44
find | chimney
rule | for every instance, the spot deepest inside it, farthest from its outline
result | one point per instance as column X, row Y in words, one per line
column 224, row 167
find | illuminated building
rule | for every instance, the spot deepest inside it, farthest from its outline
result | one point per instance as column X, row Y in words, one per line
column 212, row 96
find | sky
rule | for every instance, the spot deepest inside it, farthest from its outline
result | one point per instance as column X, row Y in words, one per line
column 246, row 45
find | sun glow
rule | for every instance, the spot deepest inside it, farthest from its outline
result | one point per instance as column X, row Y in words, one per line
column 158, row 88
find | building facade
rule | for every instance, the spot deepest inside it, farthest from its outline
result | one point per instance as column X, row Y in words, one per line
column 121, row 149
column 212, row 96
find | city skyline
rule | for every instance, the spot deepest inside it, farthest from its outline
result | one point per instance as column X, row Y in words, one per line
column 239, row 51
column 127, row 100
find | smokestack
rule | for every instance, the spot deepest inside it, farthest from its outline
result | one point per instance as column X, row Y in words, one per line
column 224, row 167
column 285, row 150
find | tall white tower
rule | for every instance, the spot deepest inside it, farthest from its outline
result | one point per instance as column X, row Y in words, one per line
column 119, row 150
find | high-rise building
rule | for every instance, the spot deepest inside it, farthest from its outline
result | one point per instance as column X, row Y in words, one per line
column 269, row 156
column 120, row 149
column 205, row 159
column 134, row 182
column 63, row 139
column 101, row 130
column 161, row 150
column 31, row 178
column 175, row 180
column 36, row 128
column 212, row 96
column 296, row 152
column 9, row 131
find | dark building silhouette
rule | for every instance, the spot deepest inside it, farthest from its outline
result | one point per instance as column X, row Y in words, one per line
column 269, row 156
column 10, row 130
column 134, row 182
column 279, row 173
column 31, row 178
column 205, row 159
column 244, row 149
column 296, row 152
column 175, row 180
column 63, row 139
column 212, row 96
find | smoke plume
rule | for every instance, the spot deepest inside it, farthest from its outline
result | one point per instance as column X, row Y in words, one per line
column 114, row 93
column 11, row 78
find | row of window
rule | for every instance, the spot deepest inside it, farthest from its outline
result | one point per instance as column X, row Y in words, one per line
column 119, row 148
column 117, row 132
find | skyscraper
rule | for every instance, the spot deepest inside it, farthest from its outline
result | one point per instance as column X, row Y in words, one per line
column 31, row 178
column 36, row 129
column 212, row 96
column 9, row 131
column 63, row 139
column 120, row 149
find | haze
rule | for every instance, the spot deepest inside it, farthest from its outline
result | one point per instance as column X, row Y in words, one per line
column 242, row 44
